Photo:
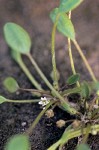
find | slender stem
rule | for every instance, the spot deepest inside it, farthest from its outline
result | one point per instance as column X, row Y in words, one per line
column 29, row 75
column 23, row 101
column 35, row 91
column 44, row 78
column 71, row 56
column 57, row 94
column 85, row 60
column 29, row 131
column 56, row 86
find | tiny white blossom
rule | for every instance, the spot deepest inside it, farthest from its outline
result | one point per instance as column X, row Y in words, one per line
column 96, row 106
column 44, row 101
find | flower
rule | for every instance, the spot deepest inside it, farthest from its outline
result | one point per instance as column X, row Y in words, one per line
column 44, row 101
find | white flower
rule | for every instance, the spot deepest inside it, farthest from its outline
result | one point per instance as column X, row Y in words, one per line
column 44, row 101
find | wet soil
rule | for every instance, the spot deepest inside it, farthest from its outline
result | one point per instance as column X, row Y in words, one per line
column 34, row 17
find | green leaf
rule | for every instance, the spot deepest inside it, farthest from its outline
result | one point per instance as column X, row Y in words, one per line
column 95, row 85
column 73, row 79
column 10, row 84
column 85, row 90
column 17, row 38
column 16, row 56
column 64, row 24
column 67, row 5
column 18, row 142
column 2, row 99
column 83, row 147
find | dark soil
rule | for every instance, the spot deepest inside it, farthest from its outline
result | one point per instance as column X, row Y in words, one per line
column 34, row 17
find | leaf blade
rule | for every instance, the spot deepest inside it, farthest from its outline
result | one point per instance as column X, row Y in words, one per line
column 73, row 79
column 17, row 38
column 10, row 84
column 18, row 142
column 67, row 5
column 64, row 24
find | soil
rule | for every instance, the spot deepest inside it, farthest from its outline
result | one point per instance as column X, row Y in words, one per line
column 34, row 17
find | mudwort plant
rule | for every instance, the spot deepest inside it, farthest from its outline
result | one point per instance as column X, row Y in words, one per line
column 85, row 111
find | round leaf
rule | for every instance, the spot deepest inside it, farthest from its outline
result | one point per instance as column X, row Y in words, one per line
column 17, row 38
column 64, row 24
column 73, row 79
column 83, row 147
column 2, row 99
column 18, row 142
column 11, row 85
column 67, row 5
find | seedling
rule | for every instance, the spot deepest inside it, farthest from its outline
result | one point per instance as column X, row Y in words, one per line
column 86, row 122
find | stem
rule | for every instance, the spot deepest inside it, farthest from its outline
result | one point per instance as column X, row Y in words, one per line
column 35, row 91
column 29, row 75
column 29, row 131
column 85, row 61
column 67, row 105
column 23, row 101
column 70, row 134
column 56, row 86
column 71, row 56
column 44, row 78
column 87, row 133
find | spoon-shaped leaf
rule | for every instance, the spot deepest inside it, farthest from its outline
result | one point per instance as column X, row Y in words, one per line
column 83, row 147
column 67, row 5
column 2, row 99
column 64, row 24
column 17, row 38
column 73, row 79
column 18, row 142
column 11, row 84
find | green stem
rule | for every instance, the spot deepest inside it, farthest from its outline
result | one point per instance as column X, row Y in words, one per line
column 87, row 133
column 56, row 86
column 67, row 105
column 71, row 91
column 36, row 91
column 71, row 56
column 23, row 101
column 29, row 75
column 70, row 134
column 29, row 131
column 85, row 60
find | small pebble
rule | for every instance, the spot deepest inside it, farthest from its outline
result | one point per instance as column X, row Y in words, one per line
column 23, row 124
